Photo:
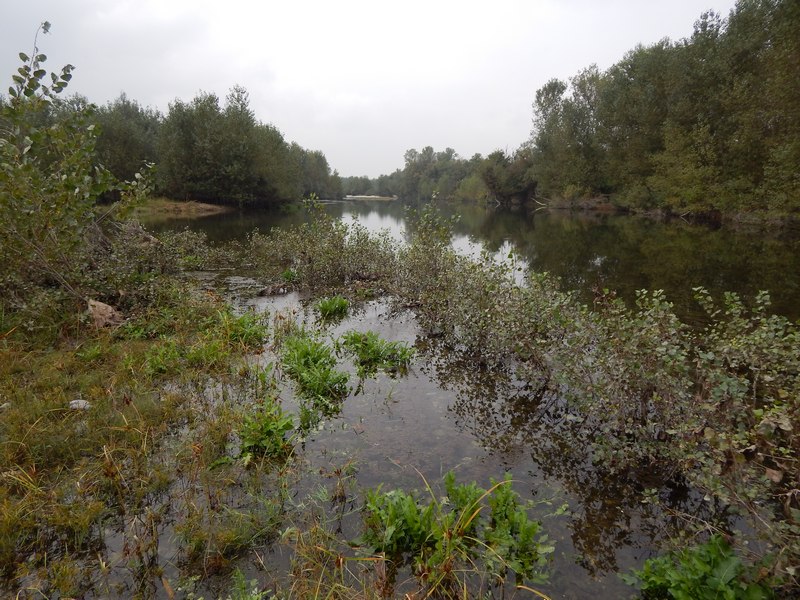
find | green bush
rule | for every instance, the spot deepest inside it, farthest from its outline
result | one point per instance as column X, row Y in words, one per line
column 475, row 530
column 708, row 571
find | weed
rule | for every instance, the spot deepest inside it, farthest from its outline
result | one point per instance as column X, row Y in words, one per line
column 446, row 542
column 334, row 307
column 289, row 276
column 264, row 431
column 703, row 572
column 312, row 365
column 372, row 353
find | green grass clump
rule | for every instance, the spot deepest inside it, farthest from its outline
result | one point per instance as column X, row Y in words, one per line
column 334, row 307
column 372, row 353
column 704, row 572
column 263, row 432
column 312, row 366
column 478, row 531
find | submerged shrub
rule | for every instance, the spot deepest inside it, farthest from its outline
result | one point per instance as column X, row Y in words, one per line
column 716, row 407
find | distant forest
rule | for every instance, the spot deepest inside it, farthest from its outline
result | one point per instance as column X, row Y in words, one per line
column 705, row 124
column 204, row 150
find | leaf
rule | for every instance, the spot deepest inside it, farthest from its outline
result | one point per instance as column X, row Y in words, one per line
column 24, row 57
column 726, row 571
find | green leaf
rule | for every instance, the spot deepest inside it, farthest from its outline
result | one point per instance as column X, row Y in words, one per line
column 24, row 57
column 726, row 570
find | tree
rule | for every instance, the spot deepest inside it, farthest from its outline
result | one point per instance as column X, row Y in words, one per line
column 128, row 136
column 49, row 185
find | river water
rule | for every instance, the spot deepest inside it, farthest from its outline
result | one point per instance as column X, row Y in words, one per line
column 449, row 414
column 586, row 250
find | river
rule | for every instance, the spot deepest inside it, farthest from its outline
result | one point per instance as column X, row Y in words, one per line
column 448, row 414
column 587, row 251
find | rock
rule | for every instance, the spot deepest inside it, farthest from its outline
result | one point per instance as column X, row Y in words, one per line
column 104, row 315
column 277, row 289
column 79, row 404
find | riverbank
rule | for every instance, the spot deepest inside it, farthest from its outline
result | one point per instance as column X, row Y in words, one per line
column 158, row 209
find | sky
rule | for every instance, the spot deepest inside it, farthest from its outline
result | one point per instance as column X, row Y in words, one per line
column 362, row 81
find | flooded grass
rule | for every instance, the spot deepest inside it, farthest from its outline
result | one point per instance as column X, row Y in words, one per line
column 195, row 447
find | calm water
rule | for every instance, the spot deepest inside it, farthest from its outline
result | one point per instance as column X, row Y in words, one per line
column 450, row 414
column 587, row 250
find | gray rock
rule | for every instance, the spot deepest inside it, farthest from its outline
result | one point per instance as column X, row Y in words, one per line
column 80, row 404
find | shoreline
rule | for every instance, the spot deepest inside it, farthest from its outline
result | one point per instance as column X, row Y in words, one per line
column 164, row 208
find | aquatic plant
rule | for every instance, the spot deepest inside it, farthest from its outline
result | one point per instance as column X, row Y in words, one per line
column 447, row 541
column 703, row 572
column 372, row 353
column 312, row 366
column 263, row 432
column 333, row 307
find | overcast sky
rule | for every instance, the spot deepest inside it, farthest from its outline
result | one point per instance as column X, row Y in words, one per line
column 361, row 81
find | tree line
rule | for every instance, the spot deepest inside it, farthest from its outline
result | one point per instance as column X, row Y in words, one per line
column 710, row 123
column 204, row 149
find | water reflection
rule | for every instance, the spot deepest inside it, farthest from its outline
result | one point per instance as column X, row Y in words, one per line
column 585, row 250
column 611, row 529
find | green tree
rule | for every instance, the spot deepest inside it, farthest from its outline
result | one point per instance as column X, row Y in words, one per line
column 128, row 136
column 50, row 228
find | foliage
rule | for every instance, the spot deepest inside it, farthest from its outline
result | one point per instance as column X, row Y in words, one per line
column 445, row 539
column 222, row 153
column 704, row 572
column 264, row 431
column 333, row 307
column 52, row 238
column 679, row 125
column 371, row 352
column 312, row 366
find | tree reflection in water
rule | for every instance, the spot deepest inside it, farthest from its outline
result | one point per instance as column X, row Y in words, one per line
column 613, row 525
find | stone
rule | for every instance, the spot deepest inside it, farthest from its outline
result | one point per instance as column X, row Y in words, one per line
column 103, row 315
column 80, row 404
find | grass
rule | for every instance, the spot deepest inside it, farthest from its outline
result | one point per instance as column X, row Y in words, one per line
column 66, row 474
column 333, row 307
column 312, row 366
column 160, row 209
column 372, row 353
